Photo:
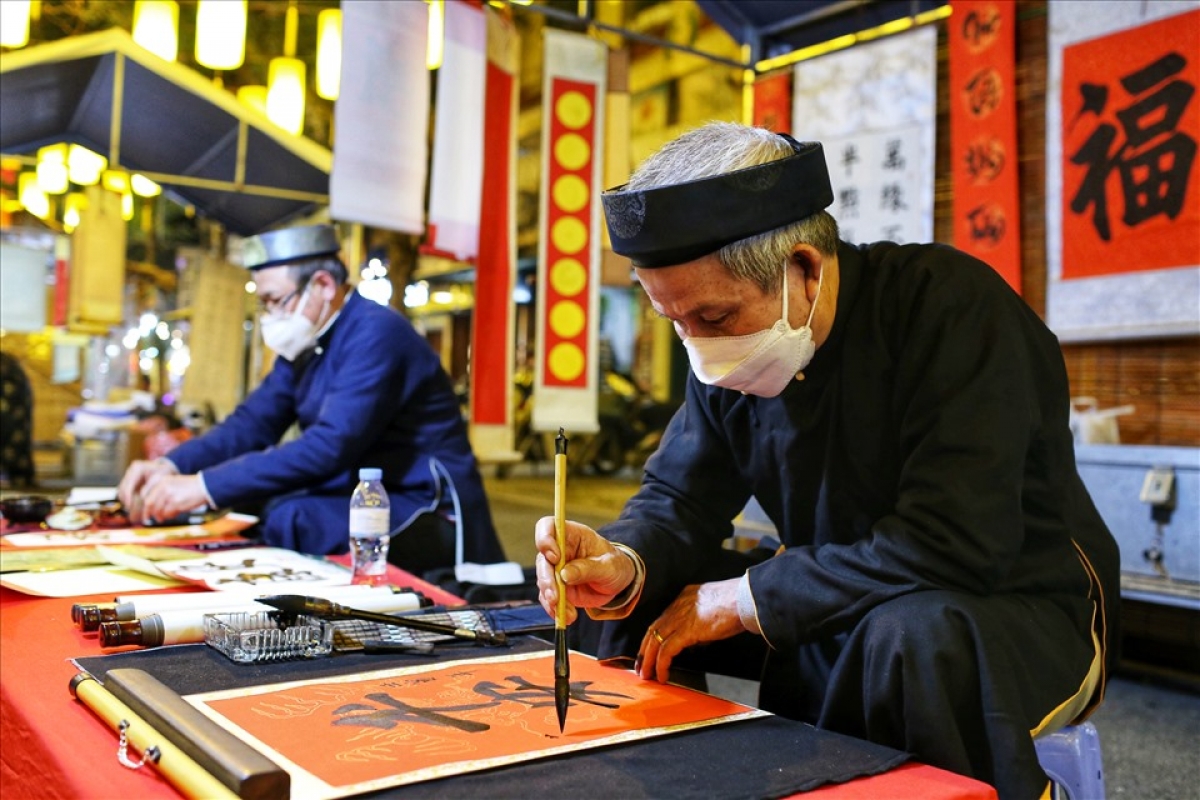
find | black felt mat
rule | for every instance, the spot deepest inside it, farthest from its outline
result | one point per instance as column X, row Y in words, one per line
column 767, row 757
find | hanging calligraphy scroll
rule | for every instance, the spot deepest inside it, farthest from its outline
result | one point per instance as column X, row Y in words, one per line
column 573, row 90
column 983, row 134
column 359, row 733
column 873, row 106
column 1122, row 178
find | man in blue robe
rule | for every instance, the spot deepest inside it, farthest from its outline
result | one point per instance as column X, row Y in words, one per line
column 364, row 389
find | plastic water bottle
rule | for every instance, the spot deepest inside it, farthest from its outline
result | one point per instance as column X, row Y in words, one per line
column 370, row 524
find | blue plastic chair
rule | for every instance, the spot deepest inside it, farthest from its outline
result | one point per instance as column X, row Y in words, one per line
column 1071, row 757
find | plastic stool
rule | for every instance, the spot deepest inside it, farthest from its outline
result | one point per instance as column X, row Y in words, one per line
column 1071, row 757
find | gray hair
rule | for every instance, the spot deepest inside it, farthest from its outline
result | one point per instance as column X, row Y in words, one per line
column 720, row 147
column 301, row 272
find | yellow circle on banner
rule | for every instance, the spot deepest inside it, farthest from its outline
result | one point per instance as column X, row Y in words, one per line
column 573, row 109
column 570, row 193
column 569, row 235
column 567, row 319
column 572, row 151
column 566, row 361
column 567, row 277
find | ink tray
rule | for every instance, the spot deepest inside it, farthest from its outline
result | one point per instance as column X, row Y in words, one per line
column 255, row 637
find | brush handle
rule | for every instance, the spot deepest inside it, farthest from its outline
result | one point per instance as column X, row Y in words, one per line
column 560, row 525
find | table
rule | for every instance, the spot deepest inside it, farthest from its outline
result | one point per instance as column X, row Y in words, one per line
column 55, row 747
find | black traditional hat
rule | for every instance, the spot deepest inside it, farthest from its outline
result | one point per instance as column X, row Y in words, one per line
column 289, row 245
column 674, row 224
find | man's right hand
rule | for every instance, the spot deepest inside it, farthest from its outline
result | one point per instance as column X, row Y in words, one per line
column 137, row 478
column 594, row 570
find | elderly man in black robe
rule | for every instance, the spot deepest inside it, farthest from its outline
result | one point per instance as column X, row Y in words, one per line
column 945, row 585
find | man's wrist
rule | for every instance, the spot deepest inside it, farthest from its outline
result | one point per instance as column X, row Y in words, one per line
column 627, row 598
column 635, row 583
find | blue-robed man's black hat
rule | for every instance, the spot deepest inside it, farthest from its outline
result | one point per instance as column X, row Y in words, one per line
column 673, row 224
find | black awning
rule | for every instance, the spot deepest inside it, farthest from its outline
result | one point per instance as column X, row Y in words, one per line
column 164, row 120
column 777, row 27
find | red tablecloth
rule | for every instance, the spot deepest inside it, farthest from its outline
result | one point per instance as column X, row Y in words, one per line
column 52, row 746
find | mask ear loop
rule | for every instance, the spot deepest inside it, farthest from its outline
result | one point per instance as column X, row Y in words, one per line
column 813, row 308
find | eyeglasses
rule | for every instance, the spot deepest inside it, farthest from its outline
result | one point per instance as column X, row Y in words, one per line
column 271, row 305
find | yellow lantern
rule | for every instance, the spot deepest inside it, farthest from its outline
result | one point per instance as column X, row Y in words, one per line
column 254, row 96
column 437, row 30
column 329, row 53
column 156, row 27
column 127, row 205
column 285, row 93
column 115, row 180
column 84, row 166
column 14, row 23
column 76, row 204
column 221, row 33
column 32, row 196
column 143, row 186
column 52, row 174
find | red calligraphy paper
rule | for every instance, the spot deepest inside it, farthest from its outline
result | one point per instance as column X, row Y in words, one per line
column 370, row 731
column 1130, row 127
column 983, row 134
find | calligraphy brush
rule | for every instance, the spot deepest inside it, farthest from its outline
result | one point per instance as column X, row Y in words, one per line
column 562, row 664
column 326, row 609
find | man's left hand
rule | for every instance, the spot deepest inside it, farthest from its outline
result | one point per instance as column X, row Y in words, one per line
column 167, row 496
column 704, row 612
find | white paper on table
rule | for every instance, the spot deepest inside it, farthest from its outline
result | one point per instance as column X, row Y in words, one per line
column 503, row 573
column 79, row 582
column 255, row 569
column 129, row 561
column 82, row 495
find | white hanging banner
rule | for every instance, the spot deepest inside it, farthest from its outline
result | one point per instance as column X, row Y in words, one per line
column 880, row 143
column 574, row 84
column 22, row 288
column 381, row 118
column 456, row 176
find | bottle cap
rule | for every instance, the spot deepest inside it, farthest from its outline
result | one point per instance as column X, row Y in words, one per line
column 370, row 474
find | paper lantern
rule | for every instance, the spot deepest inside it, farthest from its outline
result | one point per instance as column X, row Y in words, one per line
column 76, row 204
column 285, row 93
column 254, row 96
column 221, row 33
column 329, row 53
column 127, row 206
column 52, row 174
column 156, row 27
column 115, row 180
column 85, row 166
column 143, row 186
column 14, row 23
column 32, row 196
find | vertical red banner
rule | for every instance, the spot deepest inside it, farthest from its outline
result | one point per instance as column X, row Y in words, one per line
column 983, row 134
column 773, row 102
column 1130, row 126
column 492, row 331
column 62, row 280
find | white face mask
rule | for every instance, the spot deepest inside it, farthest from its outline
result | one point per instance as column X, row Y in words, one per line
column 290, row 335
column 762, row 363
